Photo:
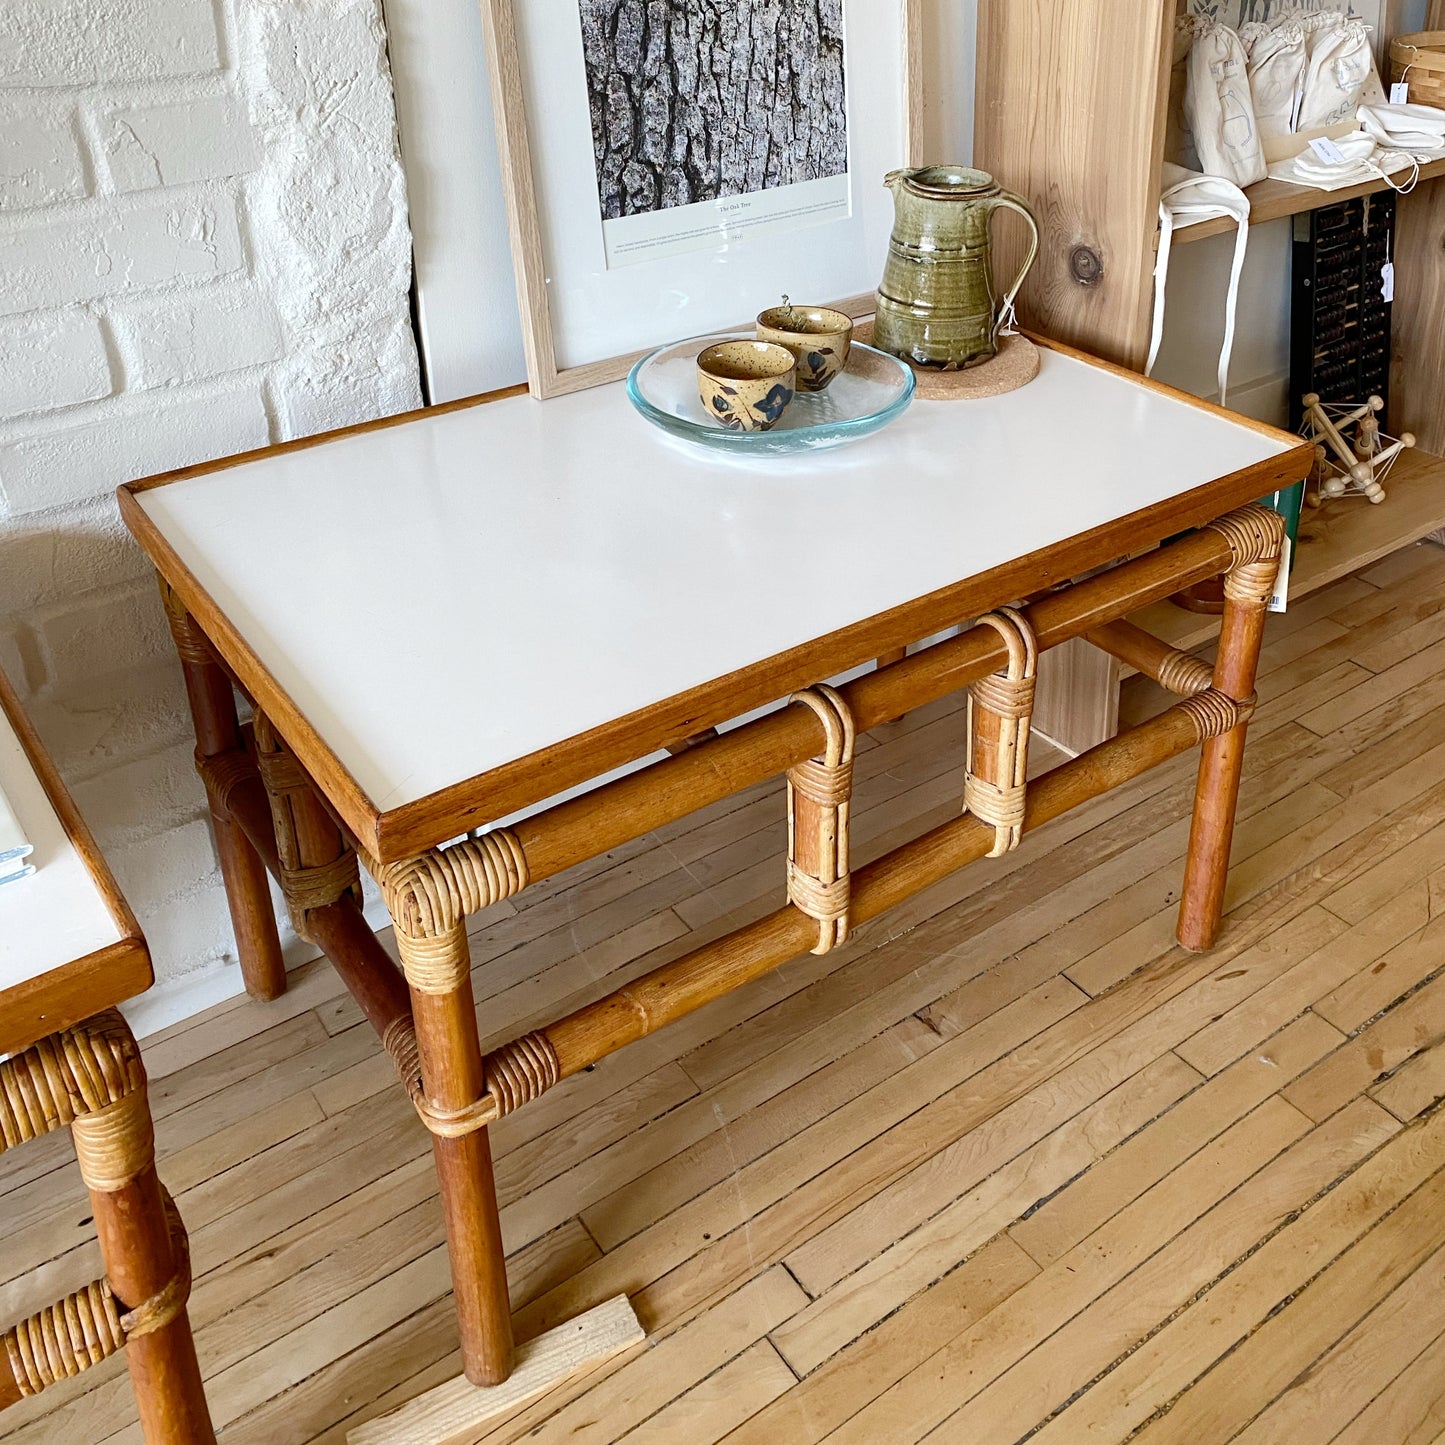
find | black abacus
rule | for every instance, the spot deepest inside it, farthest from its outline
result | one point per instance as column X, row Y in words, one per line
column 1340, row 320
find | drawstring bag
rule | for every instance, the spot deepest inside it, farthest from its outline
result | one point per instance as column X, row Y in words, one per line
column 1339, row 65
column 1277, row 56
column 1361, row 162
column 1220, row 109
column 1178, row 143
column 1414, row 128
column 1189, row 197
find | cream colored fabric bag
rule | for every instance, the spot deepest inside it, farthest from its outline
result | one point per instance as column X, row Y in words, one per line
column 1339, row 65
column 1277, row 56
column 1219, row 108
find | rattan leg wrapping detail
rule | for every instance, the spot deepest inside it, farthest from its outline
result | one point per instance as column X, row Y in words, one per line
column 90, row 1325
column 1185, row 674
column 1000, row 707
column 304, row 886
column 114, row 1144
column 432, row 893
column 192, row 645
column 78, row 1071
column 1256, row 537
column 1215, row 713
column 515, row 1074
column 823, row 888
column 222, row 775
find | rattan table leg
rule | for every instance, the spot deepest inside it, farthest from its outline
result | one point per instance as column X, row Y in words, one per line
column 451, row 1066
column 429, row 899
column 1256, row 534
column 139, row 1262
column 218, row 732
column 90, row 1078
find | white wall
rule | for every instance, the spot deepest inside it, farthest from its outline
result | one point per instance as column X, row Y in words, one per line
column 1194, row 321
column 203, row 248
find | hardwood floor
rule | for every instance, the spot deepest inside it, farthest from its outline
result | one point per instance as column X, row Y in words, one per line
column 1008, row 1166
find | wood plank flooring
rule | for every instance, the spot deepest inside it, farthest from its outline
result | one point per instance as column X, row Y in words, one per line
column 1010, row 1166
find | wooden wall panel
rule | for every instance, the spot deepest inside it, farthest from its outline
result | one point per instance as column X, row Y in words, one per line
column 1417, row 370
column 1070, row 113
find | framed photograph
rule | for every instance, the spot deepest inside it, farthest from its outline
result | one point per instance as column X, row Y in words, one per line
column 673, row 169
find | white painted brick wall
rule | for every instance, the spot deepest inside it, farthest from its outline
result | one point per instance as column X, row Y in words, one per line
column 203, row 249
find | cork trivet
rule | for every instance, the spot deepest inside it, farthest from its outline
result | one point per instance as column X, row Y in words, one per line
column 1016, row 364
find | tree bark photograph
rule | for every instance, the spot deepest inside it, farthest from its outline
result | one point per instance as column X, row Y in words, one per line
column 697, row 100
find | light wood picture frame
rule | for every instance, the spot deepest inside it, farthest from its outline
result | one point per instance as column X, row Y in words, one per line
column 548, row 370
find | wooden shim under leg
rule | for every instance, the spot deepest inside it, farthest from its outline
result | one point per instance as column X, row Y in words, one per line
column 452, row 1413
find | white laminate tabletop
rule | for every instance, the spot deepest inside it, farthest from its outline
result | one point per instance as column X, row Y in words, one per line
column 57, row 915
column 445, row 597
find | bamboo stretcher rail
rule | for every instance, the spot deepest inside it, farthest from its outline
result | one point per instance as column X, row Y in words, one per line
column 678, row 988
column 616, row 812
column 1178, row 671
column 339, row 929
column 554, row 839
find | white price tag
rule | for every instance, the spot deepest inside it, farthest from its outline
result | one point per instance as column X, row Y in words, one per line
column 1400, row 93
column 1279, row 597
column 1387, row 281
column 1327, row 151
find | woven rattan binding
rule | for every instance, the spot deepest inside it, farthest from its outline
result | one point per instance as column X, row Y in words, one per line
column 1000, row 799
column 514, row 1074
column 192, row 645
column 1256, row 537
column 79, row 1071
column 89, row 1326
column 431, row 896
column 826, row 781
column 303, row 886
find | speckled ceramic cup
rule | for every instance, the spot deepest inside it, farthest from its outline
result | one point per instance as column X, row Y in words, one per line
column 817, row 336
column 746, row 385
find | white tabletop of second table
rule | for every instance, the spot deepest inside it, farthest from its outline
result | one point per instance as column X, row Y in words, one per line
column 446, row 596
column 57, row 915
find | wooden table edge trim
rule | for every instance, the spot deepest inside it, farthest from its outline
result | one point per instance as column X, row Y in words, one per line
column 391, row 835
column 38, row 1007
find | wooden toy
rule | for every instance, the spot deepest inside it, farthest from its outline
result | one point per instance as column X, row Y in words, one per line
column 1349, row 465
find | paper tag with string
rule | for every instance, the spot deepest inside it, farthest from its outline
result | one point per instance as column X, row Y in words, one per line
column 1387, row 275
column 1279, row 594
column 1008, row 320
column 1400, row 93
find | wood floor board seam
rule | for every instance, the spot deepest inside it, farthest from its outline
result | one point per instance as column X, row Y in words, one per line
column 1280, row 1305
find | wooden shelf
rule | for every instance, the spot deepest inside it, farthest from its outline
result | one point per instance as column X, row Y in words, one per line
column 1337, row 539
column 1270, row 200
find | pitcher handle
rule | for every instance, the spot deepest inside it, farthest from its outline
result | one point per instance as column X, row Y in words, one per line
column 1016, row 203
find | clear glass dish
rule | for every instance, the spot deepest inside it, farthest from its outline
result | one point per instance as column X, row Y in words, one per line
column 874, row 390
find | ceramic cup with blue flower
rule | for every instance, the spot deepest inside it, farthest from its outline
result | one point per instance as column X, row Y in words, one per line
column 746, row 385
column 818, row 336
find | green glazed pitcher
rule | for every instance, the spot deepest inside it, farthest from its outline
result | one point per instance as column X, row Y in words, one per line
column 937, row 305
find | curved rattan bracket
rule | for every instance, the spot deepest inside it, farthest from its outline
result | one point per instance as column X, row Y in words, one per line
column 1000, row 708
column 819, row 793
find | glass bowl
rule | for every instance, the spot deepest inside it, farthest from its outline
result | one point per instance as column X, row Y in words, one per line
column 874, row 390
